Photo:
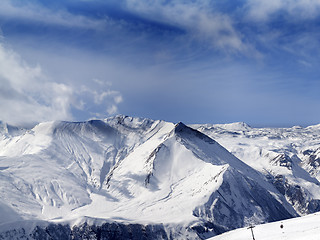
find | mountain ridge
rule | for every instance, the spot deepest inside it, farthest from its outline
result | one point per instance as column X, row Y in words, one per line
column 137, row 171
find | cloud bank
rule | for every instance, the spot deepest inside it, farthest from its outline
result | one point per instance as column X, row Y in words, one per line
column 28, row 96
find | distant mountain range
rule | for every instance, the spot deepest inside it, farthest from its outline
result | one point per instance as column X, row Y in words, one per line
column 136, row 178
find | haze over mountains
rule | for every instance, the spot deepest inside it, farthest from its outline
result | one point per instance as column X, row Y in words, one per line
column 138, row 178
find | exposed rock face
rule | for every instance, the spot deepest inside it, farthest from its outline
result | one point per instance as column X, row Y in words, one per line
column 289, row 158
column 282, row 160
column 240, row 201
column 107, row 231
column 296, row 195
column 311, row 161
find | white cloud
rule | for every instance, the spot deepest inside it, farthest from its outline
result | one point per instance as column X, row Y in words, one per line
column 299, row 9
column 197, row 18
column 102, row 95
column 32, row 12
column 28, row 96
column 117, row 98
column 112, row 109
column 99, row 97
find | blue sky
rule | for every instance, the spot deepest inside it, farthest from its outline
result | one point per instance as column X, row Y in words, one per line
column 191, row 61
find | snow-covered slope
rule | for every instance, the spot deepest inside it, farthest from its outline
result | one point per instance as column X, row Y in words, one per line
column 171, row 180
column 306, row 227
column 288, row 157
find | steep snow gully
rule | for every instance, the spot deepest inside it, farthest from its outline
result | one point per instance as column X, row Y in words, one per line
column 136, row 178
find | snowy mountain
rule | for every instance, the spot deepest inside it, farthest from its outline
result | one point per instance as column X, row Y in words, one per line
column 288, row 157
column 138, row 178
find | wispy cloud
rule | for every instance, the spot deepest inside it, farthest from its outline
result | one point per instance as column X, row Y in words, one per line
column 197, row 21
column 264, row 10
column 196, row 18
column 219, row 60
column 102, row 95
column 29, row 11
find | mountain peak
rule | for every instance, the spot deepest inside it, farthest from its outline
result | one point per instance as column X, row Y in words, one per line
column 184, row 131
column 236, row 126
column 128, row 122
column 8, row 129
column 180, row 126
